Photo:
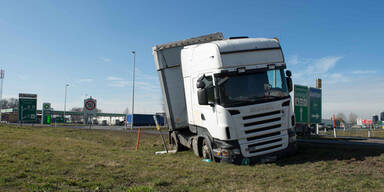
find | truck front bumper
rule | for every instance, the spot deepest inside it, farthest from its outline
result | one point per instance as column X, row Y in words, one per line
column 233, row 154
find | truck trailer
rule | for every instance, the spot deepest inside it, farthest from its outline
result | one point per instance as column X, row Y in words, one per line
column 227, row 99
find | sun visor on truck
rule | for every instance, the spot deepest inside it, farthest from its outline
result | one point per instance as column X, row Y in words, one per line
column 250, row 51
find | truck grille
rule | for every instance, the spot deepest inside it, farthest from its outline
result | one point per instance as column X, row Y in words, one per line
column 263, row 132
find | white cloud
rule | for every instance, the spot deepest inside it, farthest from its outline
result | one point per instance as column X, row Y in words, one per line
column 335, row 78
column 359, row 96
column 323, row 65
column 112, row 78
column 86, row 80
column 120, row 83
column 360, row 72
column 307, row 70
column 105, row 59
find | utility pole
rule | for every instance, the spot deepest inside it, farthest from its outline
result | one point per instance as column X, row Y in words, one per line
column 65, row 101
column 1, row 94
column 133, row 88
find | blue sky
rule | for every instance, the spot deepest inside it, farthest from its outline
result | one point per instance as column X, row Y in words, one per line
column 87, row 44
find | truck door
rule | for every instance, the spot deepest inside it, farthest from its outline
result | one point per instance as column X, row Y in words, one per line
column 205, row 114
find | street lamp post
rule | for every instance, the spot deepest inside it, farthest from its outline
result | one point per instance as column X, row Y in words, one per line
column 65, row 101
column 133, row 88
column 1, row 94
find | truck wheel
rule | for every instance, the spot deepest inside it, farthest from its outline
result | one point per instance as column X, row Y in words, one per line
column 175, row 145
column 206, row 150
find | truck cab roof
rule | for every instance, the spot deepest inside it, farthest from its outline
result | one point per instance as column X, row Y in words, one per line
column 230, row 54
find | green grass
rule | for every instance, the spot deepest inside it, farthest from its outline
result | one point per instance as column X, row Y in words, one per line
column 64, row 159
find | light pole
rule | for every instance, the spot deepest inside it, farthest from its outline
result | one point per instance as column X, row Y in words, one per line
column 133, row 88
column 65, row 101
column 1, row 94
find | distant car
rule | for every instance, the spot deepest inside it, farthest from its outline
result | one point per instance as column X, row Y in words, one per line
column 119, row 123
column 95, row 122
column 104, row 123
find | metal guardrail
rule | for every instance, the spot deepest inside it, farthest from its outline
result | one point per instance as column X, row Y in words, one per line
column 352, row 132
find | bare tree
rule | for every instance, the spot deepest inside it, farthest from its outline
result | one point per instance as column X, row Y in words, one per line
column 341, row 116
column 9, row 103
column 126, row 111
column 352, row 118
column 76, row 118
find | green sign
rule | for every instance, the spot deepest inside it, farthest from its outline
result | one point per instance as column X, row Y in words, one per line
column 314, row 105
column 46, row 114
column 27, row 108
column 301, row 103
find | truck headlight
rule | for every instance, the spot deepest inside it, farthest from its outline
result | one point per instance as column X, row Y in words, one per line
column 227, row 152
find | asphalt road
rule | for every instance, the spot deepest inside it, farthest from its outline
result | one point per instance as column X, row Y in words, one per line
column 350, row 141
column 374, row 143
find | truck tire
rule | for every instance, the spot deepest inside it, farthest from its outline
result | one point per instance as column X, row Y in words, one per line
column 206, row 150
column 175, row 144
column 196, row 146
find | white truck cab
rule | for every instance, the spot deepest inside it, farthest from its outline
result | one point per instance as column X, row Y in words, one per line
column 227, row 99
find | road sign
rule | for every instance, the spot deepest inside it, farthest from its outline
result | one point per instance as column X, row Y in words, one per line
column 27, row 108
column 301, row 103
column 315, row 105
column 46, row 114
column 90, row 106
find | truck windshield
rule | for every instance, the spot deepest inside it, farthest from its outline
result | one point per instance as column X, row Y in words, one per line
column 250, row 88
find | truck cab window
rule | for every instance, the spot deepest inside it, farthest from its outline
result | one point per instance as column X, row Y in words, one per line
column 250, row 88
column 275, row 79
column 208, row 81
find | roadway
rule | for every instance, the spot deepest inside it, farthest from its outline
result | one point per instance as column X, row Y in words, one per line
column 346, row 141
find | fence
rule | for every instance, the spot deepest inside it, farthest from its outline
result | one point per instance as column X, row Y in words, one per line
column 352, row 131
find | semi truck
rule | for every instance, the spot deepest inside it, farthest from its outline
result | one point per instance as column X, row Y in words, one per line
column 228, row 100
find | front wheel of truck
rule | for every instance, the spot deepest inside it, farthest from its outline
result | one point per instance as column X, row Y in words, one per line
column 206, row 150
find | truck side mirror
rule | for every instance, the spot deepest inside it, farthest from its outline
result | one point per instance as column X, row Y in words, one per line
column 200, row 84
column 289, row 84
column 289, row 80
column 202, row 97
column 288, row 73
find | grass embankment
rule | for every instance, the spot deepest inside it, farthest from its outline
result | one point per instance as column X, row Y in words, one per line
column 63, row 159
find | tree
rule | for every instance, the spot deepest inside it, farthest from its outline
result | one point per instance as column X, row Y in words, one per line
column 126, row 111
column 352, row 118
column 9, row 103
column 76, row 118
column 341, row 116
